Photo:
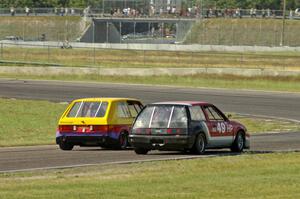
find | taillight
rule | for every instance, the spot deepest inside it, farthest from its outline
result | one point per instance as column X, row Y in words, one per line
column 138, row 131
column 100, row 128
column 65, row 128
column 148, row 131
column 83, row 129
column 174, row 131
column 141, row 131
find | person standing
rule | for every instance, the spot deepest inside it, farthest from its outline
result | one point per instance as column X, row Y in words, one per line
column 263, row 13
column 251, row 12
column 268, row 12
column 12, row 11
column 27, row 11
column 274, row 13
column 66, row 11
column 55, row 11
column 72, row 11
column 62, row 11
column 291, row 14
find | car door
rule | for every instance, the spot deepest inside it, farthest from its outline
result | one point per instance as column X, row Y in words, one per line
column 220, row 129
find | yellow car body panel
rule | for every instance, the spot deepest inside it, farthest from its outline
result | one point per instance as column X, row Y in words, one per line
column 117, row 119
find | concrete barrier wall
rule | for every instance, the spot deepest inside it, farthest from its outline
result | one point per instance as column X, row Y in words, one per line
column 142, row 71
column 163, row 47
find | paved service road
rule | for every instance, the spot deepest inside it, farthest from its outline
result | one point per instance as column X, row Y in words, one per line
column 274, row 104
column 284, row 105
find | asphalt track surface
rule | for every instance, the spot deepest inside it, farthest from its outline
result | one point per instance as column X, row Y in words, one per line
column 271, row 104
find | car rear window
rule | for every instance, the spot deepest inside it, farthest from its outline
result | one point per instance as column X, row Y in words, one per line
column 162, row 117
column 88, row 109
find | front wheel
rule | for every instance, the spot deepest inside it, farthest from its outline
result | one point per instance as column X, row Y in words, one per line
column 200, row 144
column 141, row 151
column 239, row 143
column 65, row 146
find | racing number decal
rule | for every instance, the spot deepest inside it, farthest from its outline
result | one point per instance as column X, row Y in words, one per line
column 221, row 127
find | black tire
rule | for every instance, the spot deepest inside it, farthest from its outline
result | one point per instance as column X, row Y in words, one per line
column 141, row 151
column 65, row 146
column 104, row 146
column 239, row 143
column 200, row 144
column 123, row 141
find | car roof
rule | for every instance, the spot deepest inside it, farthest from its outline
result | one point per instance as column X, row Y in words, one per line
column 184, row 103
column 110, row 99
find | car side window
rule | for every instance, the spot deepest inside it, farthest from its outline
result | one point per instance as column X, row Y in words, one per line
column 178, row 118
column 123, row 110
column 196, row 113
column 213, row 114
column 134, row 108
column 74, row 109
column 144, row 119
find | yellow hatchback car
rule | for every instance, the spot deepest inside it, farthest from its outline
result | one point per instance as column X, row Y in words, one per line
column 103, row 122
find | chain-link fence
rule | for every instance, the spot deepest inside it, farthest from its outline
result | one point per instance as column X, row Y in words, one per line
column 41, row 28
column 226, row 30
column 245, row 32
column 172, row 26
column 16, row 54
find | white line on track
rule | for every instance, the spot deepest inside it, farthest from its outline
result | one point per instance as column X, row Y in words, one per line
column 112, row 163
column 269, row 117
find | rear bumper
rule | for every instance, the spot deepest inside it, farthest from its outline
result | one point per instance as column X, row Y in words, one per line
column 86, row 140
column 161, row 142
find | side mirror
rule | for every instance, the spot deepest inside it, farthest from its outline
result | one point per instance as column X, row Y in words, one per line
column 229, row 116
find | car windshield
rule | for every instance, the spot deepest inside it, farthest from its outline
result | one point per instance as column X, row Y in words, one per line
column 88, row 109
column 166, row 116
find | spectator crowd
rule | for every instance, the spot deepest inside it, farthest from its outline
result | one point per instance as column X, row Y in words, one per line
column 168, row 11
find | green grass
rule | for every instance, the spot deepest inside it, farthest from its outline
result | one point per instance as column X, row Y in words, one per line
column 244, row 176
column 55, row 28
column 150, row 59
column 259, row 125
column 291, row 84
column 26, row 122
column 252, row 32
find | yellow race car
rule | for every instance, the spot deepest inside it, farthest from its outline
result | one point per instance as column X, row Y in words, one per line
column 103, row 122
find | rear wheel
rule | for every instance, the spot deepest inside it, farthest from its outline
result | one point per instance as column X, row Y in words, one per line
column 200, row 144
column 141, row 151
column 239, row 143
column 123, row 141
column 65, row 146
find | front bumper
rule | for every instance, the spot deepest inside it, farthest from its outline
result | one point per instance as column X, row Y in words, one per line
column 161, row 142
column 247, row 142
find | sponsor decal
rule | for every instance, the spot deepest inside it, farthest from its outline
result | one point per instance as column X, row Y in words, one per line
column 223, row 127
column 229, row 128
